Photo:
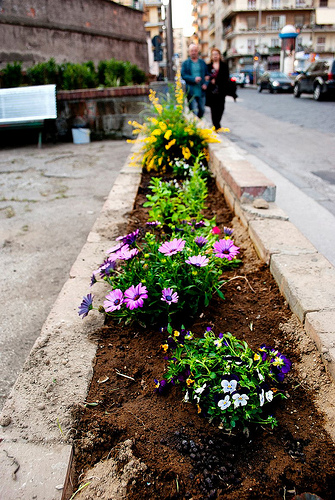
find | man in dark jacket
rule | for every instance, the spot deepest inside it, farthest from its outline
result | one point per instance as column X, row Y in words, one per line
column 194, row 72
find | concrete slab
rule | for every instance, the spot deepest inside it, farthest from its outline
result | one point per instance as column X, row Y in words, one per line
column 33, row 471
column 306, row 281
column 276, row 236
column 320, row 326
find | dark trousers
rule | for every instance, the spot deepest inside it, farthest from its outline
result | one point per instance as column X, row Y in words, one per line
column 197, row 105
column 217, row 109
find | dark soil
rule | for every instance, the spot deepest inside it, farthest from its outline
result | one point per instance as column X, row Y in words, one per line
column 185, row 455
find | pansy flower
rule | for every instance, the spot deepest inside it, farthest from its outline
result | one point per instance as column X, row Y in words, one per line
column 154, row 223
column 218, row 341
column 86, row 305
column 197, row 260
column 229, row 383
column 169, row 296
column 223, row 404
column 240, row 399
column 282, row 363
column 134, row 296
column 114, row 300
column 172, row 247
column 160, row 386
column 225, row 249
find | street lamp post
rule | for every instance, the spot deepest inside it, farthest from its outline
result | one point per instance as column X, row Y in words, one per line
column 169, row 39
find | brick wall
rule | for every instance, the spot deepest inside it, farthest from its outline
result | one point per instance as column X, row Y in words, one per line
column 71, row 30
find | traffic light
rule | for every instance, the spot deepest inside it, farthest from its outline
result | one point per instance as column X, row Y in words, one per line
column 256, row 57
column 157, row 45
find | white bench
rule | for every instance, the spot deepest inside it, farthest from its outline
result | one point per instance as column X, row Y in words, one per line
column 27, row 107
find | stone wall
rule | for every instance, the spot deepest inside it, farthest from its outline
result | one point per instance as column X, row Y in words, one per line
column 106, row 112
column 71, row 30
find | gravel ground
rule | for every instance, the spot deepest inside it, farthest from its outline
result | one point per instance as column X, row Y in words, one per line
column 49, row 200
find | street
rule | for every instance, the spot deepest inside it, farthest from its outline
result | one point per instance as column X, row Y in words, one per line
column 293, row 142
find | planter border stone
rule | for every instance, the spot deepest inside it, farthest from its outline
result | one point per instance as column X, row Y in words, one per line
column 36, row 419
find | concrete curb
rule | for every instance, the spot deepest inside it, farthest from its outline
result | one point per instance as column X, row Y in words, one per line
column 42, row 451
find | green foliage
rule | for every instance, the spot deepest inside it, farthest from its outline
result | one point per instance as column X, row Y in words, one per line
column 70, row 76
column 12, row 75
column 115, row 73
column 79, row 76
column 172, row 203
column 43, row 73
column 228, row 382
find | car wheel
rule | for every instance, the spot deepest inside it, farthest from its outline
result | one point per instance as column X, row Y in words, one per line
column 271, row 90
column 260, row 88
column 317, row 93
column 296, row 90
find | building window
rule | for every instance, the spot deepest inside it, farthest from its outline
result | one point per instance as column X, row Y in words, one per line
column 275, row 42
column 251, row 4
column 321, row 44
column 300, row 3
column 275, row 22
column 299, row 21
column 276, row 4
column 251, row 46
column 323, row 3
column 252, row 22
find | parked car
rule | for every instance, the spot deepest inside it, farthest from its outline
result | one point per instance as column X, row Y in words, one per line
column 318, row 79
column 238, row 78
column 275, row 81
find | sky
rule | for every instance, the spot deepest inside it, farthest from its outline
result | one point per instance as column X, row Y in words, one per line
column 181, row 16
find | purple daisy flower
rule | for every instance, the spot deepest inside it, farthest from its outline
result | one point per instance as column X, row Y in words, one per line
column 130, row 238
column 225, row 249
column 114, row 300
column 197, row 260
column 134, row 296
column 125, row 253
column 93, row 278
column 172, row 247
column 115, row 248
column 228, row 231
column 169, row 296
column 201, row 241
column 106, row 267
column 86, row 305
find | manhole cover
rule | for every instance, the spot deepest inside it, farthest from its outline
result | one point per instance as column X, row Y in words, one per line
column 326, row 175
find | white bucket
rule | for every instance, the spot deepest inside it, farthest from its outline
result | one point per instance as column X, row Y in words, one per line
column 81, row 135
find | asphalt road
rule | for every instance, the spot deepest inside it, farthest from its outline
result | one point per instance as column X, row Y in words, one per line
column 49, row 201
column 293, row 142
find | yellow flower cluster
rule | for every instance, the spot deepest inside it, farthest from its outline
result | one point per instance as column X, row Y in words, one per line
column 179, row 92
column 155, row 101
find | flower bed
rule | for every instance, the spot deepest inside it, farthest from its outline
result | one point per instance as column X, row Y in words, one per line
column 174, row 297
column 179, row 449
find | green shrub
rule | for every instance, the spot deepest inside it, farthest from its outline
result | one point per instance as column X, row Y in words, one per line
column 78, row 76
column 43, row 73
column 12, row 75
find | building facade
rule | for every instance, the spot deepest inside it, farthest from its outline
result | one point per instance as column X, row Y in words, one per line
column 71, row 31
column 246, row 30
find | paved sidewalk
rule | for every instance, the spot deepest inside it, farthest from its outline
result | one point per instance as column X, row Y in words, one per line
column 49, row 201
